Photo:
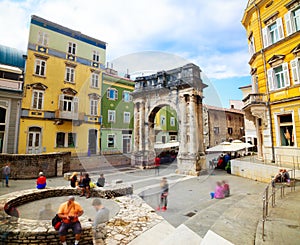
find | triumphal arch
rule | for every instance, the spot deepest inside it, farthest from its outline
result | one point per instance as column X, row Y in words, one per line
column 182, row 90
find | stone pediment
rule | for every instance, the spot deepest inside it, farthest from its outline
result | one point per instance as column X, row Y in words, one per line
column 276, row 59
column 94, row 96
column 38, row 86
column 296, row 50
column 69, row 91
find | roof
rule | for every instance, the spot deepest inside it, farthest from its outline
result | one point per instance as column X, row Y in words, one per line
column 247, row 86
column 209, row 107
column 12, row 57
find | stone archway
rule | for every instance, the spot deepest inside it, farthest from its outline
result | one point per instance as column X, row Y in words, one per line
column 182, row 90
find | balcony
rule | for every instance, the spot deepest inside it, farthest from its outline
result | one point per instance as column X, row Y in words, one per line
column 68, row 115
column 254, row 99
column 255, row 107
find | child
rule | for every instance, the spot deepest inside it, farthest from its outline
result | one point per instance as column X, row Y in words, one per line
column 226, row 189
column 41, row 181
column 219, row 194
column 164, row 194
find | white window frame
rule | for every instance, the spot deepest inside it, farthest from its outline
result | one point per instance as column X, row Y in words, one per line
column 295, row 67
column 41, row 65
column 70, row 103
column 114, row 137
column 251, row 45
column 111, row 116
column 290, row 22
column 72, row 48
column 125, row 94
column 115, row 94
column 43, row 38
column 40, row 96
column 70, row 74
column 126, row 117
column 267, row 38
column 96, row 56
column 93, row 107
column 94, row 80
column 276, row 116
column 66, row 140
column 272, row 80
column 172, row 121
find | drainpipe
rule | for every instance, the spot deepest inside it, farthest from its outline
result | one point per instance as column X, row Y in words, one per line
column 267, row 82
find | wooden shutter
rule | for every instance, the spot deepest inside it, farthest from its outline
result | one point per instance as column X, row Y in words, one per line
column 288, row 23
column 61, row 102
column 280, row 28
column 107, row 93
column 295, row 70
column 116, row 94
column 76, row 104
column 271, row 79
column 285, row 69
column 265, row 32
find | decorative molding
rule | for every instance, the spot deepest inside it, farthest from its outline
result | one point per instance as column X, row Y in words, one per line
column 271, row 18
column 44, row 57
column 38, row 86
column 276, row 59
column 69, row 91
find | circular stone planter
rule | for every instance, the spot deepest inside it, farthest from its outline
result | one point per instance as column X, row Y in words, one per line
column 26, row 231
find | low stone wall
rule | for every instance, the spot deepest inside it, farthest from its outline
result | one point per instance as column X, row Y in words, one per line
column 28, row 166
column 255, row 171
column 25, row 231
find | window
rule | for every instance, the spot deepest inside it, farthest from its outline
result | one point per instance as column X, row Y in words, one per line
column 95, row 80
column 162, row 120
column 71, row 48
column 111, row 116
column 163, row 139
column 42, row 38
column 286, row 130
column 172, row 137
column 94, row 107
column 96, row 56
column 216, row 130
column 65, row 140
column 230, row 131
column 278, row 77
column 273, row 33
column 40, row 67
column 292, row 21
column 71, row 139
column 127, row 96
column 295, row 70
column 126, row 117
column 111, row 140
column 172, row 121
column 251, row 45
column 37, row 99
column 68, row 103
column 112, row 94
column 70, row 74
column 60, row 139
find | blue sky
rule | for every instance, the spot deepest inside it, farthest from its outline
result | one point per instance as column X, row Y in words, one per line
column 207, row 33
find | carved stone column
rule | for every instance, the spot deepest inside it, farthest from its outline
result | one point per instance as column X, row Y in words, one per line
column 136, row 127
column 142, row 127
column 192, row 126
column 183, row 136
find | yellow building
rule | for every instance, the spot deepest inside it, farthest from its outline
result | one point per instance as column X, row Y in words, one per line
column 61, row 101
column 273, row 29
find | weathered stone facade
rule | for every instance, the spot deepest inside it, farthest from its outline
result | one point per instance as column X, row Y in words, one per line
column 133, row 218
column 182, row 90
column 27, row 166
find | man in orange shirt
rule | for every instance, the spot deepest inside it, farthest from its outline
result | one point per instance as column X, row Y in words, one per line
column 69, row 212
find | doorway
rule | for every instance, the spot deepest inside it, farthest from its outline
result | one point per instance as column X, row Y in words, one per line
column 92, row 141
column 34, row 140
column 126, row 144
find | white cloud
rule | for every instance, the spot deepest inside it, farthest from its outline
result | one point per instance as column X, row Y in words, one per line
column 207, row 32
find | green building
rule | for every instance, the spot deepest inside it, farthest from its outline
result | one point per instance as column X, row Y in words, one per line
column 117, row 114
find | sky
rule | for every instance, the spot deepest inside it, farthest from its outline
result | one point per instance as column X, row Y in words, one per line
column 206, row 33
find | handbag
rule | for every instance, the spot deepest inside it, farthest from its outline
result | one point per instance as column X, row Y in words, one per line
column 56, row 222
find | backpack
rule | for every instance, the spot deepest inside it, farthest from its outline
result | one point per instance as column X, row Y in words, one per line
column 56, row 222
column 73, row 182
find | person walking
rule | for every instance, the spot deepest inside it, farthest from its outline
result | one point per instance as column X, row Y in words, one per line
column 157, row 164
column 6, row 173
column 69, row 212
column 163, row 194
column 102, row 216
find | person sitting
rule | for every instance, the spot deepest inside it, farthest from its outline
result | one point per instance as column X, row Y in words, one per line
column 73, row 180
column 101, row 181
column 285, row 176
column 41, row 181
column 277, row 178
column 226, row 189
column 86, row 186
column 219, row 192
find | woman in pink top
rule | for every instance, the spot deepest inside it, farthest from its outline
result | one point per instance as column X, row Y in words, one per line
column 219, row 191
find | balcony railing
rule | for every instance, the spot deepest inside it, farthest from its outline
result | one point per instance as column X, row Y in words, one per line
column 254, row 99
column 69, row 115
